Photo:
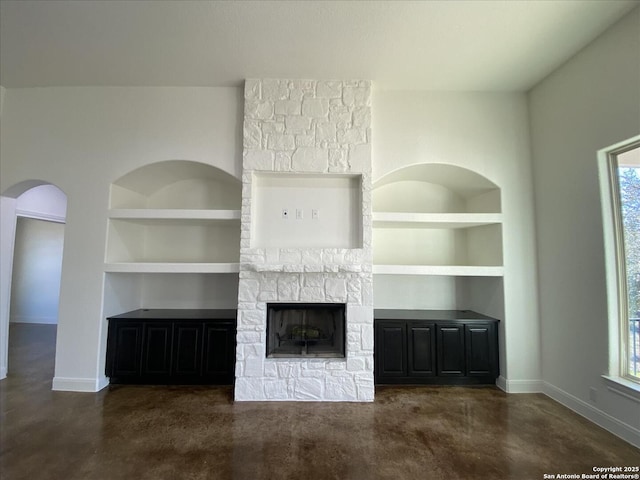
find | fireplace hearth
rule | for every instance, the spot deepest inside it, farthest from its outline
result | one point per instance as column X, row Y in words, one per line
column 305, row 330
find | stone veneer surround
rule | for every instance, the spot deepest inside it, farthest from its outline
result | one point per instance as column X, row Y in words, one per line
column 304, row 127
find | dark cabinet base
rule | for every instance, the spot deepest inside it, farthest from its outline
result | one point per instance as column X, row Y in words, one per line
column 172, row 347
column 435, row 347
column 446, row 381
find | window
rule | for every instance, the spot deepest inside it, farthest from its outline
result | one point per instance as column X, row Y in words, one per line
column 620, row 182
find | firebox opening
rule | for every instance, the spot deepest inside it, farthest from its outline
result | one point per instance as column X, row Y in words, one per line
column 305, row 330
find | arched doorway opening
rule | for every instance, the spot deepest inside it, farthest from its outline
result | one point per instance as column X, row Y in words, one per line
column 32, row 235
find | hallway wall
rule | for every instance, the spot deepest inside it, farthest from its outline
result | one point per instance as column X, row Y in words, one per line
column 37, row 267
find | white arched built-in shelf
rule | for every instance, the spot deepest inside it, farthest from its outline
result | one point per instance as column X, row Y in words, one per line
column 174, row 217
column 437, row 219
column 173, row 238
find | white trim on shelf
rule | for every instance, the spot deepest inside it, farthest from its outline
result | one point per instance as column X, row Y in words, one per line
column 165, row 267
column 443, row 270
column 434, row 220
column 172, row 214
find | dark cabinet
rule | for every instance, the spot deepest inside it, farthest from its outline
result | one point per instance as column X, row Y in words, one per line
column 152, row 346
column 481, row 349
column 405, row 349
column 421, row 350
column 435, row 347
column 187, row 351
column 156, row 349
column 451, row 355
column 391, row 341
column 126, row 345
column 219, row 352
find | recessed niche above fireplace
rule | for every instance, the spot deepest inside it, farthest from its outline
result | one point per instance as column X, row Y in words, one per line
column 295, row 210
column 305, row 330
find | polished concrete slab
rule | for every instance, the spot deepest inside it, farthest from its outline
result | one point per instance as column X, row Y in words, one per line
column 200, row 433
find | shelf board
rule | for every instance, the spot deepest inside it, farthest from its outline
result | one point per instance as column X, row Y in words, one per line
column 172, row 214
column 434, row 220
column 161, row 267
column 443, row 270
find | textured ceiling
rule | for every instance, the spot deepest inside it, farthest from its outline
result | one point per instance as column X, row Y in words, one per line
column 422, row 45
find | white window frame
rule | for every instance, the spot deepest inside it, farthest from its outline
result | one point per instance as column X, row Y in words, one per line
column 615, row 264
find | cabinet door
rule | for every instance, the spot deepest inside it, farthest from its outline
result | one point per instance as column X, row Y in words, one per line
column 391, row 349
column 219, row 352
column 156, row 355
column 451, row 350
column 125, row 349
column 421, row 349
column 187, row 349
column 481, row 345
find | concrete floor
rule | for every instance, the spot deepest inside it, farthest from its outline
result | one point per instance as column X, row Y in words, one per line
column 200, row 433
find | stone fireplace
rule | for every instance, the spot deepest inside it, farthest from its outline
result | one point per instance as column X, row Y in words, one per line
column 306, row 238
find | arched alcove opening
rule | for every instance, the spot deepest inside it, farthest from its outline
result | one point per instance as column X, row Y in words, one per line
column 178, row 185
column 436, row 188
column 437, row 240
column 173, row 238
column 32, row 238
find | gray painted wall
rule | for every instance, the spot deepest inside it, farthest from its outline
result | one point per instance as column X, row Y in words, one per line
column 592, row 102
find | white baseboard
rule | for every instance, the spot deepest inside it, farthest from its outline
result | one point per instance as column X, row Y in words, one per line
column 519, row 386
column 3, row 372
column 102, row 383
column 600, row 418
column 66, row 384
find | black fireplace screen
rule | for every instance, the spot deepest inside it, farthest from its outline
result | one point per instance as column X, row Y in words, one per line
column 305, row 330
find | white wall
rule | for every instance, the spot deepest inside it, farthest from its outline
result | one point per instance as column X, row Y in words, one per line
column 37, row 265
column 335, row 199
column 591, row 102
column 7, row 238
column 82, row 139
column 489, row 134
